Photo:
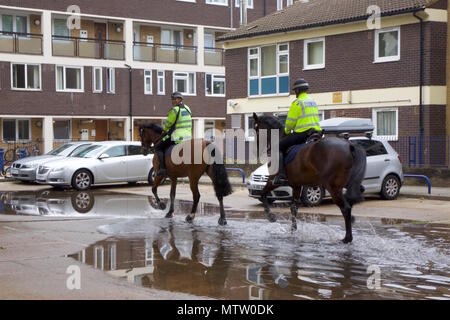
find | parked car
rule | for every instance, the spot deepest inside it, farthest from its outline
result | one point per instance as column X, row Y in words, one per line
column 384, row 176
column 100, row 163
column 25, row 169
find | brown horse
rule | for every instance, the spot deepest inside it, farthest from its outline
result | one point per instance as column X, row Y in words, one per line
column 332, row 163
column 150, row 135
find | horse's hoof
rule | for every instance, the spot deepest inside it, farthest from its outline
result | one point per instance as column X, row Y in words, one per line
column 347, row 240
column 169, row 215
column 189, row 219
column 222, row 222
column 272, row 217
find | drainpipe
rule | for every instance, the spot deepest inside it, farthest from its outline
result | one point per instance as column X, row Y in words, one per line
column 130, row 113
column 265, row 8
column 421, row 74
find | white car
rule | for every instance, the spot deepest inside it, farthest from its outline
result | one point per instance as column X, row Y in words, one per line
column 384, row 174
column 100, row 163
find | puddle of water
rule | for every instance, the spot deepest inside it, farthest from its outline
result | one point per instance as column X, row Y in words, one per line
column 251, row 258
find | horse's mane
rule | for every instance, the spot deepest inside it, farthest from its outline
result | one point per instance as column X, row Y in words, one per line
column 152, row 126
column 272, row 122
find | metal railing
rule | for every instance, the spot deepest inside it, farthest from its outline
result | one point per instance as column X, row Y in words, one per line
column 88, row 48
column 23, row 43
column 164, row 53
column 214, row 56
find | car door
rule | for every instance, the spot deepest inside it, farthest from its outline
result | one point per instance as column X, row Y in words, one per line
column 138, row 165
column 113, row 167
column 377, row 161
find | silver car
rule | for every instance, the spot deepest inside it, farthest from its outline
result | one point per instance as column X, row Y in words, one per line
column 384, row 176
column 25, row 169
column 100, row 163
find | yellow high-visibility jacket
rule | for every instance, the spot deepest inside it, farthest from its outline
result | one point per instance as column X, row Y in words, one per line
column 303, row 115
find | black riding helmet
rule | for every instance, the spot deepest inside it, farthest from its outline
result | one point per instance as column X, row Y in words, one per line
column 301, row 85
column 177, row 95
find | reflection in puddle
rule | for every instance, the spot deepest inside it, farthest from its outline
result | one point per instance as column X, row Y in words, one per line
column 251, row 258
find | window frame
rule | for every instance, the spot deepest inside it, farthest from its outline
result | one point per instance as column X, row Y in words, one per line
column 14, row 21
column 70, row 130
column 377, row 58
column 213, row 75
column 375, row 123
column 187, row 77
column 110, row 80
column 307, row 66
column 217, row 3
column 163, row 77
column 246, row 128
column 81, row 68
column 258, row 57
column 26, row 76
column 94, row 78
column 279, row 5
column 16, row 120
column 237, row 4
column 145, row 82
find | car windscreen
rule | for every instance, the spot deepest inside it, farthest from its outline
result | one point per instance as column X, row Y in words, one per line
column 88, row 152
column 58, row 151
column 78, row 149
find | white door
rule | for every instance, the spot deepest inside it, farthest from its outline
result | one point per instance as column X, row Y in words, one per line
column 112, row 168
column 84, row 134
column 150, row 41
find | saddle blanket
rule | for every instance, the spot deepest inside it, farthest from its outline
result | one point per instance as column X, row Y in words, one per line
column 292, row 152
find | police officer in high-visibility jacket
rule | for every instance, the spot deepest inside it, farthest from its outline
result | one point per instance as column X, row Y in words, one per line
column 177, row 129
column 302, row 121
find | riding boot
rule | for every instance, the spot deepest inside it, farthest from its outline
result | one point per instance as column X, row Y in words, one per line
column 162, row 164
column 281, row 178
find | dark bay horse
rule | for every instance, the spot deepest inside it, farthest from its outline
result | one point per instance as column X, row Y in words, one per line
column 332, row 163
column 150, row 135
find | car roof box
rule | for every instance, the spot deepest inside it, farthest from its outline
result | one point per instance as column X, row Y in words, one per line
column 347, row 126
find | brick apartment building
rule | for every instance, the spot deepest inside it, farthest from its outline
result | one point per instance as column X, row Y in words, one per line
column 353, row 70
column 62, row 82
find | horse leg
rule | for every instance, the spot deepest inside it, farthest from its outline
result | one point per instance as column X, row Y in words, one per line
column 295, row 198
column 346, row 209
column 196, row 195
column 155, row 186
column 268, row 188
column 173, row 190
column 223, row 218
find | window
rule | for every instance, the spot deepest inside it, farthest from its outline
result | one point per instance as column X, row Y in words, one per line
column 279, row 5
column 268, row 70
column 218, row 2
column 25, row 76
column 148, row 82
column 14, row 23
column 16, row 130
column 215, row 85
column 97, row 80
column 133, row 150
column 209, row 40
column 314, row 54
column 69, row 79
column 62, row 130
column 161, row 83
column 184, row 83
column 110, row 80
column 60, row 28
column 173, row 37
column 372, row 147
column 249, row 4
column 386, row 123
column 387, row 45
column 289, row 3
column 118, row 151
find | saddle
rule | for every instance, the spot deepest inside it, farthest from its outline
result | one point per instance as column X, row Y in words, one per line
column 292, row 151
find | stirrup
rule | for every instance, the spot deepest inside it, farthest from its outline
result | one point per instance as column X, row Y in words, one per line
column 280, row 180
column 161, row 173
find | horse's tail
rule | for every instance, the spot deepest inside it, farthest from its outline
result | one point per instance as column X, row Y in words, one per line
column 219, row 175
column 357, row 173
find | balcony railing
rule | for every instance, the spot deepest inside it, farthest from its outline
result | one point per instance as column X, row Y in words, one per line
column 88, row 48
column 214, row 56
column 23, row 43
column 165, row 53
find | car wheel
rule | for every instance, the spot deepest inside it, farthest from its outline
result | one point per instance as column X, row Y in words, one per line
column 269, row 200
column 82, row 180
column 83, row 201
column 390, row 189
column 312, row 196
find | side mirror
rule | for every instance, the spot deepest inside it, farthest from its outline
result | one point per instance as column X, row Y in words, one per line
column 103, row 156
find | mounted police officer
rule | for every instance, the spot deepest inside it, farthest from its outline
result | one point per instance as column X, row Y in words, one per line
column 302, row 121
column 177, row 129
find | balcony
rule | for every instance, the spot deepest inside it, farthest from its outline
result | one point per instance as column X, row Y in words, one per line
column 21, row 43
column 164, row 53
column 214, row 56
column 88, row 48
